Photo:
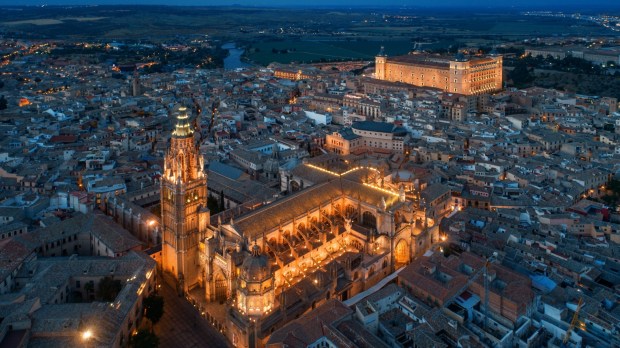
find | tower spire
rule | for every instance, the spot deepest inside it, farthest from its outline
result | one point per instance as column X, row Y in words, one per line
column 183, row 128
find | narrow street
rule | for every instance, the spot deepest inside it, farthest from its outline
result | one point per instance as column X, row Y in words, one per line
column 182, row 326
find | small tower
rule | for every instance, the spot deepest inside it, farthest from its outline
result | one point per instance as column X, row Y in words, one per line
column 499, row 66
column 136, row 90
column 255, row 285
column 459, row 72
column 380, row 63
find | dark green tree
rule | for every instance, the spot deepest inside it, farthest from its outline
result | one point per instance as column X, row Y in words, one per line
column 154, row 308
column 145, row 339
column 108, row 288
column 213, row 204
column 521, row 75
column 89, row 288
column 3, row 103
column 222, row 206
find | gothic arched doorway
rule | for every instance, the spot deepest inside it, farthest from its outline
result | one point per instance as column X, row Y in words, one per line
column 221, row 288
column 401, row 254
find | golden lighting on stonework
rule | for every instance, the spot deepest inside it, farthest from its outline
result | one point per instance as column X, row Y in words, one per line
column 182, row 128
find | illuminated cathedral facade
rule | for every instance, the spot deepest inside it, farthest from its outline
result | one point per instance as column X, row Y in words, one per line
column 184, row 212
column 334, row 238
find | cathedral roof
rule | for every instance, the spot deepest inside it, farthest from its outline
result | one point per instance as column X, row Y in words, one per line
column 269, row 217
column 310, row 174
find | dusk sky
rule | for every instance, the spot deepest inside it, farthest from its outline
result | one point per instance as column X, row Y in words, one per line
column 424, row 3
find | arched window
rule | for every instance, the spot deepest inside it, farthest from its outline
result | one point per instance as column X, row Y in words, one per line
column 369, row 219
column 350, row 211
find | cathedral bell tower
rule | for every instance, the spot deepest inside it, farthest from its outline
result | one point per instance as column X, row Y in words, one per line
column 184, row 212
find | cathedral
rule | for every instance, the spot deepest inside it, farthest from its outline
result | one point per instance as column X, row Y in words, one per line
column 340, row 233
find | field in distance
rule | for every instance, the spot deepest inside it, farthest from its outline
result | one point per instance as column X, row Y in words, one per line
column 291, row 35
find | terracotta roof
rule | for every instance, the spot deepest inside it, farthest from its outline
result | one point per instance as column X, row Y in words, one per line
column 423, row 275
column 310, row 328
column 515, row 287
column 64, row 139
column 12, row 255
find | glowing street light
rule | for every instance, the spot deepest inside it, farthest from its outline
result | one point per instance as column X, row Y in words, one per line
column 86, row 335
column 152, row 231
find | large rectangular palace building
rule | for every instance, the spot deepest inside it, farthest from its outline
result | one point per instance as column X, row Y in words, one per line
column 462, row 75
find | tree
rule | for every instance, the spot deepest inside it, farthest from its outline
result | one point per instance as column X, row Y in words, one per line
column 145, row 339
column 213, row 204
column 108, row 288
column 222, row 207
column 3, row 103
column 154, row 308
column 521, row 75
column 89, row 288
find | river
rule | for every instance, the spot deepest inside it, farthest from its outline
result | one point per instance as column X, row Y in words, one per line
column 233, row 61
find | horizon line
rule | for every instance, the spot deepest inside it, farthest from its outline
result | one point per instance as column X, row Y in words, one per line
column 332, row 6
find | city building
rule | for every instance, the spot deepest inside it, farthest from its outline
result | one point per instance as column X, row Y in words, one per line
column 461, row 75
column 596, row 56
column 368, row 136
column 322, row 185
column 292, row 72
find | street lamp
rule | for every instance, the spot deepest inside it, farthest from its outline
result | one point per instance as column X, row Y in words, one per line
column 152, row 239
column 87, row 335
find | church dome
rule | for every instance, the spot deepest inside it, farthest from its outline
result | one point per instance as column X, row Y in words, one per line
column 255, row 267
